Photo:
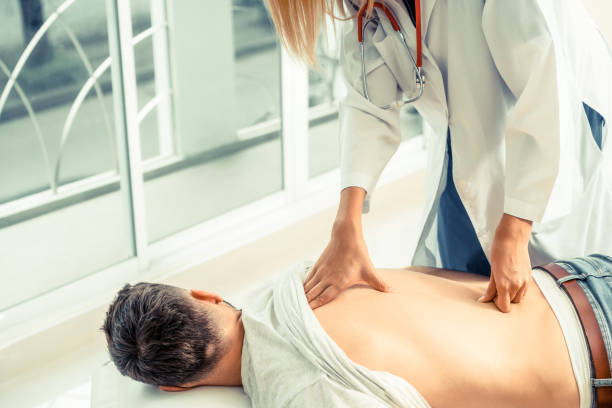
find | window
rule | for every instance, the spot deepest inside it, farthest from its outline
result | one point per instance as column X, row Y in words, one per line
column 326, row 89
column 131, row 130
column 224, row 147
column 63, row 201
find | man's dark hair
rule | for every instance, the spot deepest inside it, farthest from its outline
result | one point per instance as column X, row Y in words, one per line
column 157, row 334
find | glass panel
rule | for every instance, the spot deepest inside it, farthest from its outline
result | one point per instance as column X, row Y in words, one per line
column 149, row 141
column 226, row 101
column 56, row 130
column 141, row 15
column 145, row 79
column 323, row 145
column 326, row 88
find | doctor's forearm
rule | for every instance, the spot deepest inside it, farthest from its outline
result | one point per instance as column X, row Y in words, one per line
column 349, row 209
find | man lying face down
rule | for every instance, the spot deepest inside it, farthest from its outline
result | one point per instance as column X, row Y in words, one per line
column 426, row 342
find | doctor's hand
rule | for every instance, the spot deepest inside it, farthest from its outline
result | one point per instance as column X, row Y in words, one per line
column 344, row 263
column 510, row 263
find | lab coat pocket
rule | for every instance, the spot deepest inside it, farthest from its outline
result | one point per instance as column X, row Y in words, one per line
column 398, row 61
column 372, row 60
column 372, row 64
column 381, row 81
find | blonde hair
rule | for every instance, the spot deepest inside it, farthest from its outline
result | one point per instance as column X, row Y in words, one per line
column 299, row 22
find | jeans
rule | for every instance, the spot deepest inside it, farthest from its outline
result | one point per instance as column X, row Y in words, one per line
column 594, row 275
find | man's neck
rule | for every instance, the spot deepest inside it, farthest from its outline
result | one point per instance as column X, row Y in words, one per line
column 228, row 370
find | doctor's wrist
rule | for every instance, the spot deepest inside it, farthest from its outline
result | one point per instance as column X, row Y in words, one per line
column 514, row 229
column 347, row 226
column 351, row 203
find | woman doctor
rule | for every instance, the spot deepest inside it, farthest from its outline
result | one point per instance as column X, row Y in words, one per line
column 516, row 95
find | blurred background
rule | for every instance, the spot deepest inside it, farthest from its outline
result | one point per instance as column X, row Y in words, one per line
column 204, row 112
column 142, row 139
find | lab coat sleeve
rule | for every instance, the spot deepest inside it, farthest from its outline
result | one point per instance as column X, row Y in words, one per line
column 369, row 135
column 523, row 51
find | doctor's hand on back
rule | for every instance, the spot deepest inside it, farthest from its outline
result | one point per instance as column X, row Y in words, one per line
column 510, row 263
column 346, row 262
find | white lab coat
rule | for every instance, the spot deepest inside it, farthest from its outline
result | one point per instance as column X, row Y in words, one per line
column 508, row 77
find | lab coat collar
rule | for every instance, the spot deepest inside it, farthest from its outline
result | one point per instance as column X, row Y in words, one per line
column 398, row 7
column 427, row 7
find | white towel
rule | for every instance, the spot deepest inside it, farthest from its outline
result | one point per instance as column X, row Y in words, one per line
column 288, row 360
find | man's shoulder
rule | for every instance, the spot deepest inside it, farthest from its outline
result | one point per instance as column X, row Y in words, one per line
column 274, row 366
column 277, row 375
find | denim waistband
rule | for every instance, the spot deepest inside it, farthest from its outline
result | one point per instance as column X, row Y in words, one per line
column 593, row 274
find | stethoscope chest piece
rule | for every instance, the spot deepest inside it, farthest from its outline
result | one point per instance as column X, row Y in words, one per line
column 419, row 77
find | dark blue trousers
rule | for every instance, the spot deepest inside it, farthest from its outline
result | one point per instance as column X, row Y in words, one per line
column 457, row 240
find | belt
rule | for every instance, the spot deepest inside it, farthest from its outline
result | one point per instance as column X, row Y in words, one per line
column 597, row 348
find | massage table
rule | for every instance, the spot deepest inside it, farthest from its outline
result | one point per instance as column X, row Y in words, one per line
column 109, row 389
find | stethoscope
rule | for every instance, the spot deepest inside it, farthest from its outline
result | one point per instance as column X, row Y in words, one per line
column 418, row 64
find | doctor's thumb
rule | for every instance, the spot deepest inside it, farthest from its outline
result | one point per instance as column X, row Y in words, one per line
column 374, row 281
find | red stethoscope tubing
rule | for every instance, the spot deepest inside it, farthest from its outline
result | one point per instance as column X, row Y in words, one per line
column 396, row 26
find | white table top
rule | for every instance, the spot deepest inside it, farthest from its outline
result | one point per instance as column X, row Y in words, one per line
column 111, row 390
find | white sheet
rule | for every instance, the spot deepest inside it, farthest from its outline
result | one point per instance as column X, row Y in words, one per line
column 288, row 360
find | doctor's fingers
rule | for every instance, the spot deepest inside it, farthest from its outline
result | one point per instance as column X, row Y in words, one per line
column 315, row 290
column 311, row 274
column 513, row 286
column 490, row 292
column 315, row 278
column 502, row 301
column 520, row 294
column 326, row 296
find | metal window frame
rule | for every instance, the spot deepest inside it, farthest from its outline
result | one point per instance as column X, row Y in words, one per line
column 163, row 89
column 123, row 53
column 294, row 100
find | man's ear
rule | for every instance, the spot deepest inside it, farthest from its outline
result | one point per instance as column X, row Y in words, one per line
column 206, row 296
column 172, row 388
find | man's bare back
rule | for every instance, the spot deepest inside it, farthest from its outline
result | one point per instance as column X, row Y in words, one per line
column 430, row 330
